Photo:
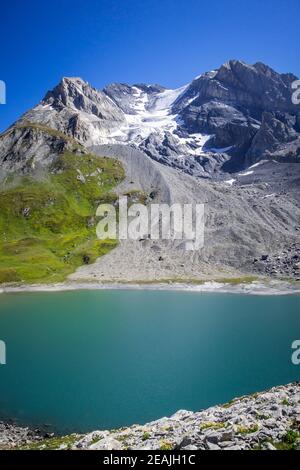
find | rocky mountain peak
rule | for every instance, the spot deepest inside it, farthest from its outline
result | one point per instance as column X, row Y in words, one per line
column 224, row 119
column 66, row 88
column 76, row 94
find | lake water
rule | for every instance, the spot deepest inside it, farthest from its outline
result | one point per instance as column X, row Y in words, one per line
column 85, row 360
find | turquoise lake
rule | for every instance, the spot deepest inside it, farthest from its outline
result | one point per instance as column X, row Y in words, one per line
column 84, row 360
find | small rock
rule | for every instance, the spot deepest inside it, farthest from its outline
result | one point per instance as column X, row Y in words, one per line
column 185, row 441
column 189, row 447
column 213, row 437
column 226, row 435
column 226, row 444
column 63, row 447
column 212, row 446
column 90, row 222
column 108, row 443
column 233, row 448
column 26, row 212
column 270, row 446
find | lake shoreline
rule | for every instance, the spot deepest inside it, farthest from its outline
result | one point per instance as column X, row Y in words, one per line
column 267, row 420
column 230, row 286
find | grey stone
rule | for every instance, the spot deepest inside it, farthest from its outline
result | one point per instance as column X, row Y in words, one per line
column 107, row 443
column 189, row 447
column 236, row 447
column 212, row 446
column 270, row 446
column 213, row 437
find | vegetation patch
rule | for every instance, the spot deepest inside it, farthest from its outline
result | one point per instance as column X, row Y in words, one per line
column 238, row 400
column 247, row 429
column 290, row 441
column 123, row 438
column 286, row 402
column 48, row 225
column 262, row 416
column 166, row 445
column 53, row 443
column 212, row 425
column 237, row 280
column 95, row 440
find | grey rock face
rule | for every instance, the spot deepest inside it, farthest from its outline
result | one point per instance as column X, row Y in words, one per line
column 255, row 87
column 25, row 148
column 246, row 107
column 74, row 93
column 78, row 110
column 275, row 130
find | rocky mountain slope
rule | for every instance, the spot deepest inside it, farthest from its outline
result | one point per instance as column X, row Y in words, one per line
column 264, row 421
column 251, row 224
column 229, row 139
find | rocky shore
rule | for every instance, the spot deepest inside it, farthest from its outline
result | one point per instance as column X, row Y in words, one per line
column 243, row 285
column 268, row 420
column 13, row 436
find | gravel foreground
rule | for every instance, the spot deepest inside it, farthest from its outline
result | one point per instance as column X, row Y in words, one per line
column 268, row 420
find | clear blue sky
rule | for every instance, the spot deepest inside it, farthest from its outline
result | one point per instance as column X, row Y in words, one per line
column 162, row 41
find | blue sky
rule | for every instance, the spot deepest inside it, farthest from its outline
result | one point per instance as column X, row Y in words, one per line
column 155, row 41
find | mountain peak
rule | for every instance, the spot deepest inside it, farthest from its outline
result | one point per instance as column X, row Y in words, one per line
column 221, row 112
column 74, row 80
column 67, row 87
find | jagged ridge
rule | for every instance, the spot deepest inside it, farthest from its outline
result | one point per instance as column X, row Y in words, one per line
column 224, row 120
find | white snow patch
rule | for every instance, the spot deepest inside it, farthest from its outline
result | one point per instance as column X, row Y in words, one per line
column 137, row 91
column 189, row 101
column 230, row 182
column 44, row 106
column 195, row 143
column 152, row 114
column 164, row 100
column 211, row 74
column 257, row 164
column 246, row 173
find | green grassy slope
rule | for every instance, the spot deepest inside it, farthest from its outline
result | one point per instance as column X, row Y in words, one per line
column 47, row 225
